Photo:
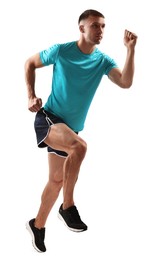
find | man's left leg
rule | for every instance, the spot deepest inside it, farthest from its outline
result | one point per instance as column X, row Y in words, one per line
column 52, row 189
column 36, row 226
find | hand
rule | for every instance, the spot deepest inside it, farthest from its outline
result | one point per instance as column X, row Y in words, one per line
column 130, row 39
column 34, row 104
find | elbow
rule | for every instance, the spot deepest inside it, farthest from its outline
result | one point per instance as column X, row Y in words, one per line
column 126, row 84
column 29, row 65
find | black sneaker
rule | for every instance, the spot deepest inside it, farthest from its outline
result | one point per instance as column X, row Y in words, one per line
column 38, row 236
column 71, row 219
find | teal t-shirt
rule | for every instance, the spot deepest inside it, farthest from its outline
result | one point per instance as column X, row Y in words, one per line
column 76, row 77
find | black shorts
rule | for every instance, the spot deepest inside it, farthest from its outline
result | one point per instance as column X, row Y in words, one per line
column 43, row 121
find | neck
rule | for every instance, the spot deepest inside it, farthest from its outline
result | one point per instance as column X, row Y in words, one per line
column 85, row 47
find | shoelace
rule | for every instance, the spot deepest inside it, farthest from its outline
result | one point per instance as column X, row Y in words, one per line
column 74, row 214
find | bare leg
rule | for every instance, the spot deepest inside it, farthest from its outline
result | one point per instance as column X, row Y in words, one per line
column 63, row 138
column 52, row 189
column 71, row 171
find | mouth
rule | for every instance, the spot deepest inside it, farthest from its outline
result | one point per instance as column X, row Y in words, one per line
column 99, row 37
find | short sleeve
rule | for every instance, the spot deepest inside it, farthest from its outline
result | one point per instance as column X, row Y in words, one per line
column 110, row 64
column 49, row 55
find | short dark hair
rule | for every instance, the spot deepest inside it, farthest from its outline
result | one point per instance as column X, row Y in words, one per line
column 88, row 13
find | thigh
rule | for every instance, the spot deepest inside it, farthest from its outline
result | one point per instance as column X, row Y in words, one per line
column 61, row 137
column 55, row 167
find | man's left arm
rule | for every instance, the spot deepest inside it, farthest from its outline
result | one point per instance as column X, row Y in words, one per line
column 124, row 78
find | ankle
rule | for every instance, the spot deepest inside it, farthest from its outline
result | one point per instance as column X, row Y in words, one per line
column 67, row 205
column 38, row 224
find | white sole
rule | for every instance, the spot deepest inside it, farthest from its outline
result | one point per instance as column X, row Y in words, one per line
column 72, row 229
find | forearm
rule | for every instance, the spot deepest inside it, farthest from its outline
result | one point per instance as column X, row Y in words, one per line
column 128, row 70
column 30, row 79
column 34, row 103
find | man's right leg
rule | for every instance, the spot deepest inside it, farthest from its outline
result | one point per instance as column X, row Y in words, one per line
column 61, row 137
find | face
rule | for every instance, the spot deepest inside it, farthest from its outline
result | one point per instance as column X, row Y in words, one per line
column 92, row 29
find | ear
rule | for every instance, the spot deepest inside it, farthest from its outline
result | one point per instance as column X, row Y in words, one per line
column 81, row 28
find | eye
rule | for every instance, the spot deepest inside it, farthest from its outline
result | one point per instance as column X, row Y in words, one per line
column 95, row 26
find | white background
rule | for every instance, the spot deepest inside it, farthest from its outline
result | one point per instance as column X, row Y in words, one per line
column 117, row 192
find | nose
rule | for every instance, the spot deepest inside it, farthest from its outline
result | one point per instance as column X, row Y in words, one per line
column 101, row 29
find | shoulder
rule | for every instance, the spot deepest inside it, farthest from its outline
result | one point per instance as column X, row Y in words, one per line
column 107, row 59
column 103, row 55
column 66, row 46
column 54, row 48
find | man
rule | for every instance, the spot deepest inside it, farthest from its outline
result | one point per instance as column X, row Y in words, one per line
column 78, row 68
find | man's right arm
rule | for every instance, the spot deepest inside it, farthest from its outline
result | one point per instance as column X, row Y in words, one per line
column 34, row 62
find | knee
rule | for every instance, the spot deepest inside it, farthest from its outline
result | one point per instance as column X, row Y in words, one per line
column 80, row 149
column 56, row 184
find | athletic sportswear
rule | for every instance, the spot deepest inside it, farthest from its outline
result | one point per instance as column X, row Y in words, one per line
column 76, row 77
